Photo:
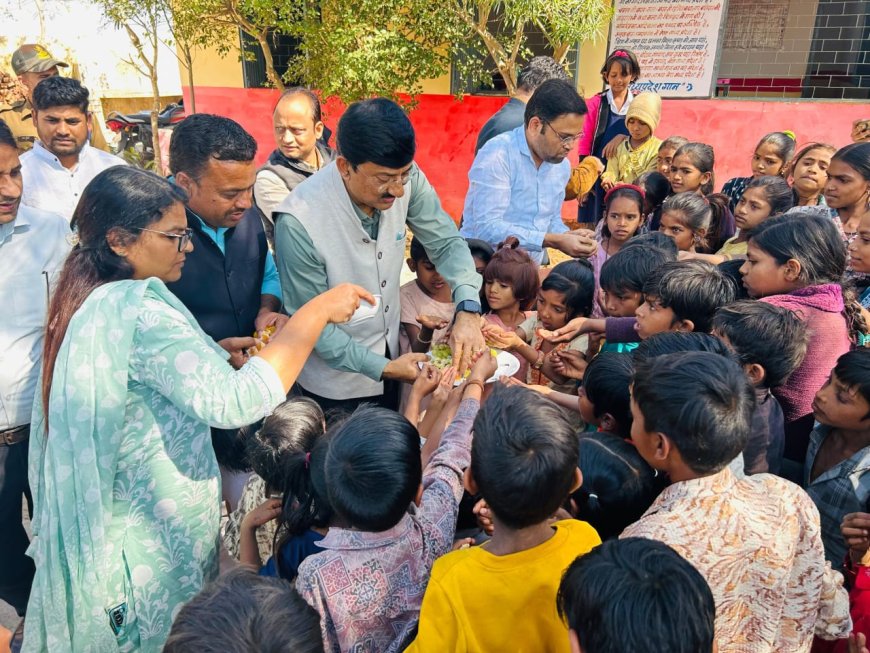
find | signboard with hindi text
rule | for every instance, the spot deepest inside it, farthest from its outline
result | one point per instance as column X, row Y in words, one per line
column 676, row 42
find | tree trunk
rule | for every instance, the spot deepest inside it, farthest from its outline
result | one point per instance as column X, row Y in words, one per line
column 155, row 93
column 271, row 73
column 188, row 63
column 155, row 136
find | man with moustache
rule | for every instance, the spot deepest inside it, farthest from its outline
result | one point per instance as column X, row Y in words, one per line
column 33, row 246
column 517, row 181
column 32, row 63
column 230, row 283
column 298, row 154
column 348, row 223
column 62, row 162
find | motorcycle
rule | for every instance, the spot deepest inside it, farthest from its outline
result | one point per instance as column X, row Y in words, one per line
column 135, row 129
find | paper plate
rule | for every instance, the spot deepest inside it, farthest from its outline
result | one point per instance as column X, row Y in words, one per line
column 508, row 365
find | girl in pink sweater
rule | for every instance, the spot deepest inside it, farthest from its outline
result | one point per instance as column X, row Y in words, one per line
column 797, row 261
column 604, row 128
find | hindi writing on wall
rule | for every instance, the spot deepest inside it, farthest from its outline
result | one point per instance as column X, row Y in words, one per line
column 675, row 41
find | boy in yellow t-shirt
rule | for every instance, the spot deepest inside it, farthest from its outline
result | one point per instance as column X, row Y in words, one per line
column 501, row 596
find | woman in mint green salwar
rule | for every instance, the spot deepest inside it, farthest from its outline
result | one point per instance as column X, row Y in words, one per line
column 125, row 482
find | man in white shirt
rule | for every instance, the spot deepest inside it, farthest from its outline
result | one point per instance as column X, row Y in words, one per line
column 516, row 185
column 33, row 247
column 62, row 162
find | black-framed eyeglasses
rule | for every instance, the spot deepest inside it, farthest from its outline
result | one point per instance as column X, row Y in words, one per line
column 183, row 238
column 567, row 139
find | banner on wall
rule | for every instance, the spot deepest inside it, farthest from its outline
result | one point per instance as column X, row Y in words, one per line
column 676, row 42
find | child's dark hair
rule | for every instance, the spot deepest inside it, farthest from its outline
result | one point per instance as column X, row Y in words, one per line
column 777, row 192
column 480, row 249
column 512, row 265
column 763, row 334
column 618, row 485
column 636, row 594
column 243, row 612
column 523, row 456
column 701, row 401
column 853, row 370
column 576, row 281
column 808, row 238
column 674, row 143
column 731, row 269
column 675, row 342
column 628, row 269
column 656, row 189
column 606, row 383
column 283, row 439
column 627, row 63
column 695, row 211
column 629, row 192
column 418, row 252
column 288, row 452
column 694, row 290
column 806, row 149
column 702, row 157
column 784, row 142
column 373, row 468
column 654, row 239
column 856, row 156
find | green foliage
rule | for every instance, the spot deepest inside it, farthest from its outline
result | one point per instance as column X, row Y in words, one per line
column 373, row 47
column 364, row 48
column 563, row 23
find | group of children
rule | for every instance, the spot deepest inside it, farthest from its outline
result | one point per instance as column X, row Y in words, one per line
column 677, row 465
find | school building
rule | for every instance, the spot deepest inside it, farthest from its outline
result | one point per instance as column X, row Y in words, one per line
column 801, row 65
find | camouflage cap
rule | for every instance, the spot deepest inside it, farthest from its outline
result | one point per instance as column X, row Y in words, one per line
column 33, row 58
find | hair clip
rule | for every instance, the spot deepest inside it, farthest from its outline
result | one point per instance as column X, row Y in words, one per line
column 308, row 460
column 620, row 186
column 73, row 239
column 620, row 53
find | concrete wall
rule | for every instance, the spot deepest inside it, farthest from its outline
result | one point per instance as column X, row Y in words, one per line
column 447, row 129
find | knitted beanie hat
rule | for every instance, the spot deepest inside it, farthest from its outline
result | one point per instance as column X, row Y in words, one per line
column 646, row 107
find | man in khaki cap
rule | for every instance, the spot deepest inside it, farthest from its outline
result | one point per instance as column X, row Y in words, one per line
column 32, row 63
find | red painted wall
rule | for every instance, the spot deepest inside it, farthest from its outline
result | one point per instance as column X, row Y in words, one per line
column 447, row 129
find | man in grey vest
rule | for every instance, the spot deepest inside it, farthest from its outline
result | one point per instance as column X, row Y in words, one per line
column 348, row 223
column 298, row 154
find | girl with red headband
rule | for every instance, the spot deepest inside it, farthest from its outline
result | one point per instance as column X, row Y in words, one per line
column 605, row 126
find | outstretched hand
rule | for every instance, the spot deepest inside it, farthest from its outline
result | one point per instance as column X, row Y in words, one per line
column 342, row 301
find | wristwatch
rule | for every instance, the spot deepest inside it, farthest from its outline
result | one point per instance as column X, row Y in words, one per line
column 469, row 306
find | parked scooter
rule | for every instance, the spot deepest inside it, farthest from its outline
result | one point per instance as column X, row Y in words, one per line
column 135, row 129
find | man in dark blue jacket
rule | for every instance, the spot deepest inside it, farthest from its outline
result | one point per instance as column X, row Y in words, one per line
column 230, row 282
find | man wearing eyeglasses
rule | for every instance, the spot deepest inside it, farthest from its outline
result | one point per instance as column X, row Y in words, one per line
column 229, row 283
column 347, row 222
column 517, row 181
column 33, row 247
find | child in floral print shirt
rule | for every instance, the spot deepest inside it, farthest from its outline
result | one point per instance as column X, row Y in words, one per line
column 394, row 520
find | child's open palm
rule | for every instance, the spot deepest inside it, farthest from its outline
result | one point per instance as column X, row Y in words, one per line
column 445, row 385
column 432, row 322
column 501, row 338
